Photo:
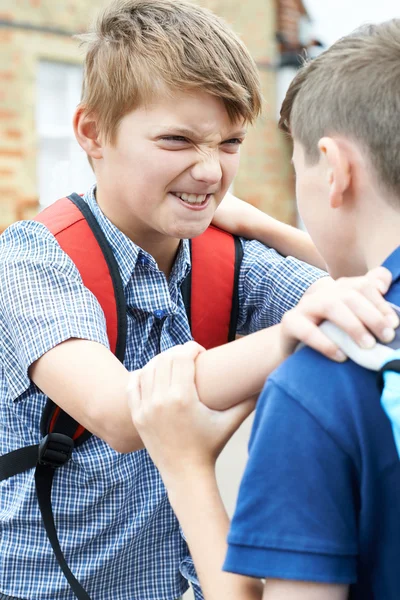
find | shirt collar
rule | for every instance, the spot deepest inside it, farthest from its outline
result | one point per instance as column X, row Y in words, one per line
column 127, row 253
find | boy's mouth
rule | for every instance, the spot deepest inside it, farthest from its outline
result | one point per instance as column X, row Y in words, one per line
column 195, row 200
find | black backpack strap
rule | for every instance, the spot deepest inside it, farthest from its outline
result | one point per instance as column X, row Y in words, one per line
column 235, row 296
column 392, row 365
column 55, row 450
column 18, row 461
column 113, row 269
column 61, row 433
column 186, row 291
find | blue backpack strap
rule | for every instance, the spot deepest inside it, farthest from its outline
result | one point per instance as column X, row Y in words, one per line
column 389, row 385
column 382, row 358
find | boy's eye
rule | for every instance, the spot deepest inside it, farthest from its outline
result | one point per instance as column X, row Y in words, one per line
column 174, row 138
column 233, row 145
column 234, row 142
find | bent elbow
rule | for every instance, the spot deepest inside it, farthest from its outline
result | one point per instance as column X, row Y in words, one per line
column 125, row 445
column 121, row 437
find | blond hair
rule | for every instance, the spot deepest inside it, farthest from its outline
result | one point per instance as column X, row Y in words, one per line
column 138, row 48
column 352, row 89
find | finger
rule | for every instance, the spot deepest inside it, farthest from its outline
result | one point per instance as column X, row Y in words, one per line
column 183, row 367
column 147, row 379
column 134, row 392
column 345, row 318
column 235, row 416
column 192, row 349
column 373, row 295
column 372, row 286
column 304, row 330
column 382, row 277
column 161, row 376
column 370, row 316
column 183, row 375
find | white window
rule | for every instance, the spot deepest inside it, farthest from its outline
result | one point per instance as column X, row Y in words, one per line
column 62, row 164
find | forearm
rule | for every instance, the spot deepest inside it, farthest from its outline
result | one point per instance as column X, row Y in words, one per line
column 243, row 219
column 197, row 503
column 287, row 240
column 231, row 373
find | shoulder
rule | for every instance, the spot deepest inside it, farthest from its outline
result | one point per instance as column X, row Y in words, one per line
column 269, row 285
column 260, row 261
column 258, row 253
column 28, row 238
column 307, row 373
column 342, row 398
column 43, row 301
column 28, row 245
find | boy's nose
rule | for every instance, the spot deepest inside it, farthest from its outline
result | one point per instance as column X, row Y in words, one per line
column 208, row 170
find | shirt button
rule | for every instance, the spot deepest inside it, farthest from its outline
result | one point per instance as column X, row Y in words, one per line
column 143, row 260
column 159, row 314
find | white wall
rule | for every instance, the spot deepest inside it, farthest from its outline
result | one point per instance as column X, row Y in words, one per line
column 335, row 18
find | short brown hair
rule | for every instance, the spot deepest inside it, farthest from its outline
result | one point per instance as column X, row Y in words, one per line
column 137, row 47
column 352, row 89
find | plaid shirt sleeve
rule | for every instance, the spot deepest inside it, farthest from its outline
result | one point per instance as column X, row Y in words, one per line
column 43, row 301
column 270, row 285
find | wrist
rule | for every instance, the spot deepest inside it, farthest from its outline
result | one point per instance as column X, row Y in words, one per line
column 321, row 283
column 259, row 227
column 187, row 480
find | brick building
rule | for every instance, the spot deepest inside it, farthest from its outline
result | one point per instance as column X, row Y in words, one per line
column 40, row 76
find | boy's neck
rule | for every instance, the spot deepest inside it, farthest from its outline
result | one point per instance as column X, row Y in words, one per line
column 379, row 230
column 162, row 248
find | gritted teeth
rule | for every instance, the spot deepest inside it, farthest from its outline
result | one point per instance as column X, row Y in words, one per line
column 191, row 198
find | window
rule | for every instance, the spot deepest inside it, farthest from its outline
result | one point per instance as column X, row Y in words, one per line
column 62, row 164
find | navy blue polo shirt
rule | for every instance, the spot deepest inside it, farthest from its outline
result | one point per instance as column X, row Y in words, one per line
column 320, row 497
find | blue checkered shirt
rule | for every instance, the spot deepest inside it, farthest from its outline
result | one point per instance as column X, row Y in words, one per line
column 117, row 530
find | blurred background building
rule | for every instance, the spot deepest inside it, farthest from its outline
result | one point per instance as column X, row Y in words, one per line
column 40, row 81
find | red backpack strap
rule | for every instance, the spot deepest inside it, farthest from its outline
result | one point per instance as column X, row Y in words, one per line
column 79, row 235
column 213, row 290
column 76, row 230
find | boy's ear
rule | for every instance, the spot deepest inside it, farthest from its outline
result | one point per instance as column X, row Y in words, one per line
column 338, row 170
column 86, row 133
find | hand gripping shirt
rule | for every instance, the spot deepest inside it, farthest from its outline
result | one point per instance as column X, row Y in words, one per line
column 117, row 530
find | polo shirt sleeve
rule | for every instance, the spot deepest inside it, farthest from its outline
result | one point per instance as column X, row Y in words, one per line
column 270, row 285
column 296, row 512
column 43, row 301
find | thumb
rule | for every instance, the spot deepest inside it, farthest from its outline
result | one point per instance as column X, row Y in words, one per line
column 234, row 417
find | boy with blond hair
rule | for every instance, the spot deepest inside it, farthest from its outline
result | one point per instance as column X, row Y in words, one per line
column 318, row 513
column 168, row 93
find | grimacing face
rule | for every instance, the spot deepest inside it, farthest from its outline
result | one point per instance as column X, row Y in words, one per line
column 170, row 166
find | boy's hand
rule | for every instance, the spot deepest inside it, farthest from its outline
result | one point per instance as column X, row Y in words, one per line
column 179, row 431
column 355, row 304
